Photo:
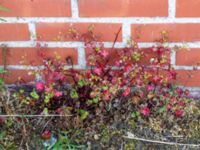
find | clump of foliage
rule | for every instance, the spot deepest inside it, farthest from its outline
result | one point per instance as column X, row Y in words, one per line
column 149, row 87
column 121, row 92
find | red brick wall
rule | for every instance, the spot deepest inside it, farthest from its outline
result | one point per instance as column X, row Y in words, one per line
column 47, row 21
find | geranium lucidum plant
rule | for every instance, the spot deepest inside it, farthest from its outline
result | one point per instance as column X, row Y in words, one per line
column 149, row 87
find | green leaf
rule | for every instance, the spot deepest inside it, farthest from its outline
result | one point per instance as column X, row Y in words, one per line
column 97, row 49
column 34, row 95
column 21, row 91
column 9, row 122
column 1, row 81
column 135, row 114
column 46, row 99
column 2, row 71
column 162, row 109
column 95, row 100
column 2, row 135
column 105, row 87
column 81, row 83
column 83, row 114
column 74, row 94
column 45, row 111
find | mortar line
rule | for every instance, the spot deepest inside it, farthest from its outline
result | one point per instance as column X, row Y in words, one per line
column 81, row 57
column 28, row 67
column 130, row 20
column 71, row 44
column 74, row 9
column 32, row 31
column 173, row 57
column 172, row 9
column 83, row 66
column 126, row 32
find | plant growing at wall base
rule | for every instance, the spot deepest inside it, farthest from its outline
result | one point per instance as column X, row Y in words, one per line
column 147, row 86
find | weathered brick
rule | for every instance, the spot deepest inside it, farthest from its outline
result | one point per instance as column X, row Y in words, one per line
column 18, row 76
column 123, row 8
column 32, row 56
column 60, row 31
column 189, row 32
column 188, row 78
column 36, row 8
column 187, row 8
column 14, row 32
column 188, row 57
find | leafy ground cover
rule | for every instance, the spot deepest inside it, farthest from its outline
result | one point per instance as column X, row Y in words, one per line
column 95, row 108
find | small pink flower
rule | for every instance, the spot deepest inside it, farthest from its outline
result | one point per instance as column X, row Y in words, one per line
column 98, row 71
column 126, row 92
column 58, row 93
column 150, row 88
column 39, row 85
column 104, row 53
column 179, row 113
column 145, row 111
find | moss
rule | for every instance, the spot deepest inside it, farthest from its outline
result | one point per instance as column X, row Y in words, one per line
column 194, row 131
column 130, row 145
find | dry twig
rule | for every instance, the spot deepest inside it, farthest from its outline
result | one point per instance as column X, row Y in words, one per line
column 132, row 136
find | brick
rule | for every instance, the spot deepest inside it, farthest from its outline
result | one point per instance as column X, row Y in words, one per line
column 120, row 8
column 188, row 78
column 18, row 76
column 176, row 32
column 188, row 57
column 187, row 8
column 36, row 8
column 60, row 31
column 31, row 56
column 14, row 32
